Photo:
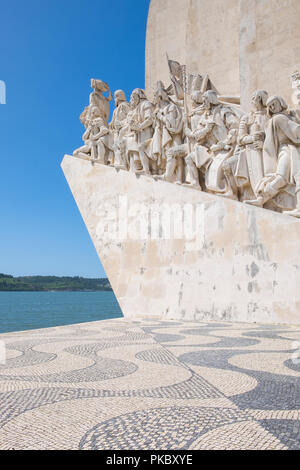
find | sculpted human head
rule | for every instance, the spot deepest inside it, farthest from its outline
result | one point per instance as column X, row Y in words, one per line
column 160, row 93
column 93, row 113
column 119, row 97
column 210, row 98
column 136, row 96
column 259, row 98
column 275, row 105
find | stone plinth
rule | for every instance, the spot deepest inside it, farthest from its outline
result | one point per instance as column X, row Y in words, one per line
column 243, row 265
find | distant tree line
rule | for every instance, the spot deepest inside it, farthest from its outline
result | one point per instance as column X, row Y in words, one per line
column 52, row 283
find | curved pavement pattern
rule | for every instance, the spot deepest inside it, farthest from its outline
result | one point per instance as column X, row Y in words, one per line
column 150, row 384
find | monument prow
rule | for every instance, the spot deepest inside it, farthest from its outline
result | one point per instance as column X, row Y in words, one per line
column 236, row 262
column 191, row 193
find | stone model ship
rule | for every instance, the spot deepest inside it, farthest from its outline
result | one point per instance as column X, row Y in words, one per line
column 191, row 202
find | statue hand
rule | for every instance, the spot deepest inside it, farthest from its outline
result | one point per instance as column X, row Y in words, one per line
column 258, row 144
column 259, row 136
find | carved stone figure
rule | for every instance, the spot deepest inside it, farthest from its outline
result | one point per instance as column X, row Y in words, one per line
column 253, row 158
column 281, row 157
column 177, row 153
column 168, row 125
column 117, row 127
column 247, row 164
column 89, row 149
column 139, row 132
column 215, row 121
column 221, row 152
column 96, row 137
column 98, row 99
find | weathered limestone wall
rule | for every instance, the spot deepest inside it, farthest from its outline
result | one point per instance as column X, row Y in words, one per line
column 243, row 45
column 199, row 33
column 269, row 46
column 244, row 266
column 166, row 32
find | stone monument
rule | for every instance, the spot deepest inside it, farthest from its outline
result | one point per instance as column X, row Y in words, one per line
column 191, row 194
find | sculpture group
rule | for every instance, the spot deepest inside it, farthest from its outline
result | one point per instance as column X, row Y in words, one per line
column 190, row 135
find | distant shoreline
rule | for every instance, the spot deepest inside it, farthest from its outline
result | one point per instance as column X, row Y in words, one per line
column 109, row 289
column 9, row 283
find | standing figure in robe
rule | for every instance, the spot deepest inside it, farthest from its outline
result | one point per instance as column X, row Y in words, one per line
column 138, row 133
column 117, row 128
column 248, row 164
column 168, row 125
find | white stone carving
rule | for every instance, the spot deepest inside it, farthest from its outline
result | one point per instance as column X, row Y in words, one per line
column 117, row 126
column 168, row 127
column 97, row 138
column 192, row 135
column 281, row 156
column 249, row 169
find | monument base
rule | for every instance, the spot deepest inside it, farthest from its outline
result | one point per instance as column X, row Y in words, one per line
column 235, row 262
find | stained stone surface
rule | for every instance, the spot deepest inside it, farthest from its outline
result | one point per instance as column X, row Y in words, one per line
column 199, row 33
column 151, row 384
column 243, row 45
column 241, row 263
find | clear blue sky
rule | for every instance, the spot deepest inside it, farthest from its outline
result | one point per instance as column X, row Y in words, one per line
column 49, row 50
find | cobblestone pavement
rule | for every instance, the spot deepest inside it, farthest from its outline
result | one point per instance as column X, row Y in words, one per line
column 149, row 384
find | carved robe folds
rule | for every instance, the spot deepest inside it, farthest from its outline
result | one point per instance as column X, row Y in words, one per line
column 221, row 145
column 117, row 126
column 167, row 133
column 249, row 168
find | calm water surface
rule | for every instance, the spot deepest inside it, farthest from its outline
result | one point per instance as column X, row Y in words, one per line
column 28, row 310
